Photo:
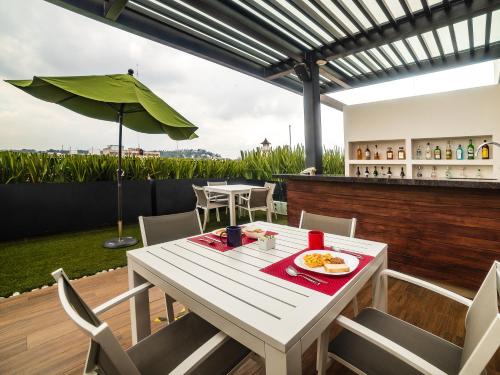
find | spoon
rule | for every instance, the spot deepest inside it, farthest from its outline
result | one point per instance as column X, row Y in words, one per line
column 293, row 272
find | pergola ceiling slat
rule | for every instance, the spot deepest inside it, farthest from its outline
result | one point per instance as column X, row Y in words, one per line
column 471, row 35
column 440, row 45
column 425, row 47
column 335, row 19
column 364, row 42
column 270, row 11
column 293, row 13
column 453, row 41
column 323, row 21
column 487, row 32
column 190, row 27
column 217, row 22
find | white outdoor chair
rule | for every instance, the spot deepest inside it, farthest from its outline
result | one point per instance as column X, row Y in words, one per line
column 164, row 228
column 328, row 224
column 190, row 344
column 332, row 225
column 257, row 200
column 378, row 343
column 203, row 202
column 218, row 198
column 270, row 201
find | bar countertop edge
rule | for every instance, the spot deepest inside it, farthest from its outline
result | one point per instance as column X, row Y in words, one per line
column 453, row 183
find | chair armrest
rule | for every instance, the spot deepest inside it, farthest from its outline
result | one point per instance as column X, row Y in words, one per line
column 244, row 198
column 121, row 298
column 389, row 346
column 200, row 354
column 424, row 284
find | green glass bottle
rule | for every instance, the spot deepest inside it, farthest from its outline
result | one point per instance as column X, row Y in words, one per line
column 470, row 150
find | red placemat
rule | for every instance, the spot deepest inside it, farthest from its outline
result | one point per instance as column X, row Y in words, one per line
column 335, row 282
column 222, row 246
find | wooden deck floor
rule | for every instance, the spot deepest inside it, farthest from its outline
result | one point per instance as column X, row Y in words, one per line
column 37, row 337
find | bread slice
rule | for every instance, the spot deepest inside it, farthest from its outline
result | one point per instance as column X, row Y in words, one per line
column 336, row 268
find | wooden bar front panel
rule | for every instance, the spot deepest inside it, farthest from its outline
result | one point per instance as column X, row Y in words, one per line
column 446, row 234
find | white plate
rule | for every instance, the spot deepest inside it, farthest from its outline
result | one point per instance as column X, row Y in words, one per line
column 349, row 260
column 214, row 232
column 247, row 231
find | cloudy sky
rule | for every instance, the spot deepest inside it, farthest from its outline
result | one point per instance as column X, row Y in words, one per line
column 233, row 111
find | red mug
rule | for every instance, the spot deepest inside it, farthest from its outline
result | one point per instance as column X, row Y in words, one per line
column 316, row 240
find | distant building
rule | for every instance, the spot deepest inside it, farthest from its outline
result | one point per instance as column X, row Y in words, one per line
column 111, row 150
column 79, row 152
column 266, row 145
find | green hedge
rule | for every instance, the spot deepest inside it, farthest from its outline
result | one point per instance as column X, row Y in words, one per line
column 17, row 167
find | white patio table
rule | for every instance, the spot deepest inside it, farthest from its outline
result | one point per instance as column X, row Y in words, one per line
column 231, row 191
column 276, row 319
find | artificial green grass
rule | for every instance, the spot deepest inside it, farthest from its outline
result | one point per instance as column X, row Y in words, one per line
column 27, row 264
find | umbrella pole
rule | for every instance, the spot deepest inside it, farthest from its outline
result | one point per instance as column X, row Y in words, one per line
column 115, row 243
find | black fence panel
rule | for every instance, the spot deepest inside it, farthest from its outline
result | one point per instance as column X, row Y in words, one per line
column 28, row 210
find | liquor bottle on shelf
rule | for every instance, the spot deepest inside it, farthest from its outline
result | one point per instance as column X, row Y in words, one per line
column 402, row 174
column 375, row 172
column 390, row 153
column 367, row 172
column 358, row 172
column 470, row 150
column 401, row 153
column 478, row 173
column 382, row 172
column 447, row 172
column 376, row 156
column 449, row 154
column 389, row 172
column 428, row 151
column 462, row 172
column 359, row 153
column 437, row 153
column 485, row 151
column 419, row 171
column 460, row 153
column 434, row 173
column 368, row 154
column 419, row 153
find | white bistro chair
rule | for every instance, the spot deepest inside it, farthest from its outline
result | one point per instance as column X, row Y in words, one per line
column 188, row 345
column 164, row 228
column 378, row 343
column 203, row 201
column 258, row 199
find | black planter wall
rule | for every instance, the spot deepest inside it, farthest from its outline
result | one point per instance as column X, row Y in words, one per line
column 28, row 210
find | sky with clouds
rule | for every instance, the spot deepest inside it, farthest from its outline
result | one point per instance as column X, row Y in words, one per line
column 233, row 111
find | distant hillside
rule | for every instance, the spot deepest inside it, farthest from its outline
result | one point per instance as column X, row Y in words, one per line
column 191, row 154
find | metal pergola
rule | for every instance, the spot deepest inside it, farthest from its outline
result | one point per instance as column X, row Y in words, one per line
column 314, row 47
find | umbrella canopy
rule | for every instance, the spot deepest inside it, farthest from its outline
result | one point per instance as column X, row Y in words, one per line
column 117, row 97
column 101, row 97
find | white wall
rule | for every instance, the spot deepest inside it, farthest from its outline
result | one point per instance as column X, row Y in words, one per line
column 462, row 113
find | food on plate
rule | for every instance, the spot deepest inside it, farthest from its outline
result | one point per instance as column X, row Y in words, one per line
column 220, row 231
column 253, row 232
column 336, row 268
column 317, row 260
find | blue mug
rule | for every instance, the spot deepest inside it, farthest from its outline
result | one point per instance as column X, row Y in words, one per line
column 233, row 236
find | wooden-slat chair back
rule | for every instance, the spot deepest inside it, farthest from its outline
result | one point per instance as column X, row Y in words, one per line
column 482, row 324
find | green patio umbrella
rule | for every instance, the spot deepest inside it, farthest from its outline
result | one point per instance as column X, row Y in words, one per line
column 119, row 98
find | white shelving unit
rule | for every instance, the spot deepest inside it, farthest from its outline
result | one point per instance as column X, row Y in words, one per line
column 411, row 166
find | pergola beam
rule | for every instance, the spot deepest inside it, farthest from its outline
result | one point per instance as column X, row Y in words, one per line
column 440, row 15
column 114, row 8
column 428, row 66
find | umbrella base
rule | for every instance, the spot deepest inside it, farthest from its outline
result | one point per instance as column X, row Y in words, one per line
column 116, row 243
